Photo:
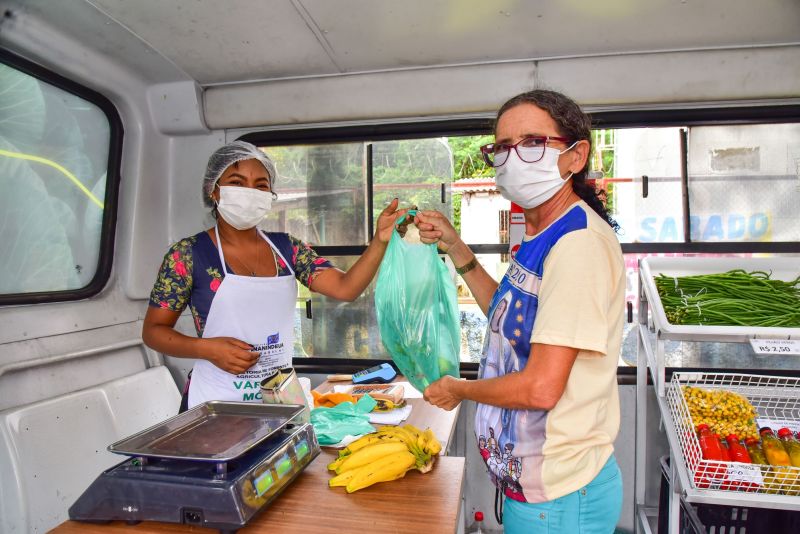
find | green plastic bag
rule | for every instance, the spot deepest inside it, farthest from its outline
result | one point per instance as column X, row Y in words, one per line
column 417, row 309
column 331, row 425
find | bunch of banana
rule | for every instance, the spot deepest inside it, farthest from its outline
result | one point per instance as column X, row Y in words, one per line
column 725, row 412
column 383, row 456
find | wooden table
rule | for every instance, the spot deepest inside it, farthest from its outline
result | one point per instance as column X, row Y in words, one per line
column 418, row 502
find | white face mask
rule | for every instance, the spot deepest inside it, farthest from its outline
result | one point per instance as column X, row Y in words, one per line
column 531, row 184
column 243, row 207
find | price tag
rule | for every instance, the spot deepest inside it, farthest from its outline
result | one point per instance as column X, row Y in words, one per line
column 749, row 474
column 776, row 346
column 776, row 424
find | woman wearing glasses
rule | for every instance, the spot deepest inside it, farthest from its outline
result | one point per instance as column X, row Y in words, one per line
column 553, row 407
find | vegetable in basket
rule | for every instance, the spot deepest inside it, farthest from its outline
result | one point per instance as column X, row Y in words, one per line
column 733, row 298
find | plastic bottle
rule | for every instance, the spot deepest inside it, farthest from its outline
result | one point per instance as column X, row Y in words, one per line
column 736, row 450
column 755, row 451
column 792, row 447
column 782, row 476
column 757, row 456
column 740, row 478
column 476, row 527
column 773, row 448
column 710, row 444
column 726, row 455
column 711, row 449
column 723, row 476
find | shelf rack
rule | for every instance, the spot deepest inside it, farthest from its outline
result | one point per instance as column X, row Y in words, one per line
column 653, row 333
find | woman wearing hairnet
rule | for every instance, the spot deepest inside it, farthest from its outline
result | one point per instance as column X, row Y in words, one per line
column 240, row 283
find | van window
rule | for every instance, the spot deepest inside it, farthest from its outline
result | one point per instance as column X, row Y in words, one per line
column 324, row 195
column 324, row 190
column 744, row 182
column 321, row 193
column 640, row 170
column 54, row 169
column 727, row 183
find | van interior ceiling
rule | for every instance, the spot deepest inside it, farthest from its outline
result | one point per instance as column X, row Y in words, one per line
column 109, row 110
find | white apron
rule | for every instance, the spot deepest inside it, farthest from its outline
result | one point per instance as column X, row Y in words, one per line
column 258, row 311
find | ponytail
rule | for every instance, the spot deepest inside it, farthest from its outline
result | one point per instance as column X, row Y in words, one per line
column 592, row 197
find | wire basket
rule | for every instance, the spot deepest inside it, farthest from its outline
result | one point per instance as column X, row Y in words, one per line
column 775, row 398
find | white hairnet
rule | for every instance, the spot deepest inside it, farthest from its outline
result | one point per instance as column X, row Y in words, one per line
column 227, row 155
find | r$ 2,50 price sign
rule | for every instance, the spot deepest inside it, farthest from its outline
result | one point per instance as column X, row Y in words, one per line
column 776, row 346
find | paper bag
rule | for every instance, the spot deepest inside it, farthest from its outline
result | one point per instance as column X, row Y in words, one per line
column 283, row 387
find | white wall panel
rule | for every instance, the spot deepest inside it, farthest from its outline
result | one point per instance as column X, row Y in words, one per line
column 409, row 93
column 230, row 40
column 679, row 77
column 51, row 451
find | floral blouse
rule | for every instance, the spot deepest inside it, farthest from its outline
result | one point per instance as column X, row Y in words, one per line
column 192, row 272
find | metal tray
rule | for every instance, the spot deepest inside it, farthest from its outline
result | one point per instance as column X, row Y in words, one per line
column 215, row 431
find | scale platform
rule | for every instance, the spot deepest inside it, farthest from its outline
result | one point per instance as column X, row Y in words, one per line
column 215, row 466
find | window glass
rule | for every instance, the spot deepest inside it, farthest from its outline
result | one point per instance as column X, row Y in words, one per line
column 412, row 170
column 343, row 330
column 53, row 162
column 321, row 193
column 647, row 209
column 415, row 171
column 744, row 182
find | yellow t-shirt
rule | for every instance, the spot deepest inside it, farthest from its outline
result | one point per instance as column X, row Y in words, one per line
column 565, row 286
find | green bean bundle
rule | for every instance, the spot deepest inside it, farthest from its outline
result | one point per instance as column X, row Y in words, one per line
column 734, row 298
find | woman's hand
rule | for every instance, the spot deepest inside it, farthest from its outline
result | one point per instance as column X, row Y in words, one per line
column 435, row 228
column 442, row 393
column 387, row 219
column 229, row 354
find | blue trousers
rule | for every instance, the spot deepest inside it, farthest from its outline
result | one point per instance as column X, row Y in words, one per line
column 593, row 509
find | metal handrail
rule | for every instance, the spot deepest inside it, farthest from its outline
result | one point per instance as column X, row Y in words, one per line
column 74, row 355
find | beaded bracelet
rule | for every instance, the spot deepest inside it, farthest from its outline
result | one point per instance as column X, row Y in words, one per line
column 468, row 267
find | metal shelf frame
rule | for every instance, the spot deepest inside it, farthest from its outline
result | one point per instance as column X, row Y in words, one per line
column 653, row 333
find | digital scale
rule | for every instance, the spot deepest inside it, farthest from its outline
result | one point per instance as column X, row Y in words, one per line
column 216, row 465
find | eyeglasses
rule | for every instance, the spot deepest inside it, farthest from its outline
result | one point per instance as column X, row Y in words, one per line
column 529, row 150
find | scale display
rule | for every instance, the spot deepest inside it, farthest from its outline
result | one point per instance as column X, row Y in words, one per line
column 264, row 482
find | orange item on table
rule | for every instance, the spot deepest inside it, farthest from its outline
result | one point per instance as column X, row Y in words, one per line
column 329, row 400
